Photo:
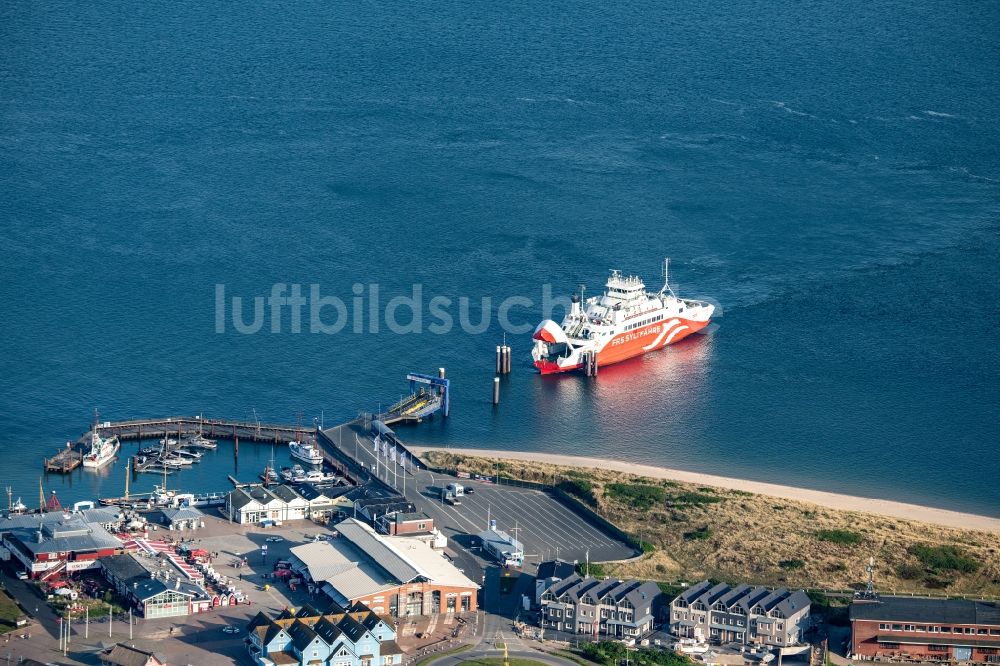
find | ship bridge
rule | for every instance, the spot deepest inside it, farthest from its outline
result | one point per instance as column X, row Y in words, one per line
column 623, row 290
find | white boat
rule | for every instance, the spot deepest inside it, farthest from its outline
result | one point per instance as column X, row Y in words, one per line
column 199, row 441
column 289, row 473
column 305, row 452
column 168, row 442
column 188, row 454
column 314, row 476
column 101, row 451
column 175, row 462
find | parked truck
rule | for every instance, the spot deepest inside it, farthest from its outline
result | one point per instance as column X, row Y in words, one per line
column 449, row 497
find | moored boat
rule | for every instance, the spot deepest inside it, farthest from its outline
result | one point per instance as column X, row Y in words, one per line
column 305, row 452
column 626, row 321
column 101, row 450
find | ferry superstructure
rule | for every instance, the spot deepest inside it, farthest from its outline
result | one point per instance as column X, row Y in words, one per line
column 624, row 322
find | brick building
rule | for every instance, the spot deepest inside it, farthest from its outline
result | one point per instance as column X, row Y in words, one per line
column 914, row 629
column 404, row 524
column 394, row 575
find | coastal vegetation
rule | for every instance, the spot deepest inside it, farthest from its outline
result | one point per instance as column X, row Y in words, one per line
column 690, row 532
column 611, row 653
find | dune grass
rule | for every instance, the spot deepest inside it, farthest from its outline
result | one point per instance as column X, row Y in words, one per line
column 697, row 532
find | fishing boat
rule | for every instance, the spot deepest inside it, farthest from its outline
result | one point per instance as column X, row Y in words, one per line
column 305, row 452
column 101, row 450
column 626, row 321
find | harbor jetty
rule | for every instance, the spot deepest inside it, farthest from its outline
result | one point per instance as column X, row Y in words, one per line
column 63, row 462
column 182, row 426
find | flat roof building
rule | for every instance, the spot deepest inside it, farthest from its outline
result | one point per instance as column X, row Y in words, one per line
column 916, row 629
column 390, row 574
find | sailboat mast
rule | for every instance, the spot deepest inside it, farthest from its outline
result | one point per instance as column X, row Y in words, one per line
column 128, row 461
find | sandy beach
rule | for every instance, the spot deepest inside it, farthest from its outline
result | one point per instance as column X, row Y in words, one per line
column 954, row 519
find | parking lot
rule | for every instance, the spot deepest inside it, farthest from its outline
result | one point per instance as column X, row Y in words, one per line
column 544, row 525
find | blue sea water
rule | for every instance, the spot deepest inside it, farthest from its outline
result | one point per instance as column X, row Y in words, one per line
column 828, row 173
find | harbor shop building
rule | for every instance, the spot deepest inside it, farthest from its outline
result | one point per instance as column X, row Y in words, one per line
column 256, row 504
column 397, row 576
column 928, row 630
column 153, row 593
column 48, row 544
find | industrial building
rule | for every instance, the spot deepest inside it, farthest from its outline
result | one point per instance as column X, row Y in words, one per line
column 590, row 606
column 354, row 637
column 886, row 628
column 743, row 614
column 395, row 575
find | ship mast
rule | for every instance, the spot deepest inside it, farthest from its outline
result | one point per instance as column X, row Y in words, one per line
column 666, row 278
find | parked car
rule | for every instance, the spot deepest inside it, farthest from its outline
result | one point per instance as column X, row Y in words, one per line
column 469, row 490
column 229, row 629
column 274, row 539
column 22, row 575
column 320, row 537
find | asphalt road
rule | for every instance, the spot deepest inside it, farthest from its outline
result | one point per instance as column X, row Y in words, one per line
column 546, row 527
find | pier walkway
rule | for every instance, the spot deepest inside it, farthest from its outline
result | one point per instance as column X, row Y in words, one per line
column 179, row 426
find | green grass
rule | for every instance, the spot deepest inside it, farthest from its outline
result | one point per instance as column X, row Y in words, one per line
column 637, row 495
column 498, row 661
column 704, row 532
column 611, row 653
column 596, row 570
column 843, row 537
column 9, row 612
column 581, row 489
column 943, row 558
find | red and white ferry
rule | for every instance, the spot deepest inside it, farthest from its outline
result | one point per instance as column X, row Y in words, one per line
column 625, row 321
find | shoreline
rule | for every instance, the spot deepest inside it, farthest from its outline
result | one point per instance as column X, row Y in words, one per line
column 837, row 501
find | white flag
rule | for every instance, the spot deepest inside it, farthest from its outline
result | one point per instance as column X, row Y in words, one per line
column 376, row 441
column 393, row 457
column 402, row 458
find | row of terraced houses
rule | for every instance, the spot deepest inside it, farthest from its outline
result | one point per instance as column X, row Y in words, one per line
column 742, row 614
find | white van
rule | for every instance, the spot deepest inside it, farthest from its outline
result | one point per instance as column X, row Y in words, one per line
column 456, row 489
